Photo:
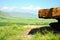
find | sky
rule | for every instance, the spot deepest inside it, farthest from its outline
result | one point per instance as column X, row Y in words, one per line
column 27, row 5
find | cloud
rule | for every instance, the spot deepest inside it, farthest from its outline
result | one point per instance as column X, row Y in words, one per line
column 7, row 8
column 30, row 8
column 3, row 8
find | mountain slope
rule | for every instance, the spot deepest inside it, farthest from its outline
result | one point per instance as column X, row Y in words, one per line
column 4, row 15
column 17, row 15
column 23, row 15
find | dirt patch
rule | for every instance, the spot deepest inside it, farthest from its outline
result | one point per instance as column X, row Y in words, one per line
column 29, row 28
column 32, row 26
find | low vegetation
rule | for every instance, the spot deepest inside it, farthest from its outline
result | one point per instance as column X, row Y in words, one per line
column 14, row 29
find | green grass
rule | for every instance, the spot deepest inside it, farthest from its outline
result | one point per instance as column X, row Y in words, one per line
column 28, row 21
column 49, row 36
column 13, row 29
column 9, row 31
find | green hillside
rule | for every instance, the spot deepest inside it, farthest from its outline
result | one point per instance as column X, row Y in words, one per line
column 4, row 15
column 17, row 28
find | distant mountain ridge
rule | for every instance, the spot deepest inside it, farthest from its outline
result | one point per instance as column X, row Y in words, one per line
column 4, row 15
column 17, row 14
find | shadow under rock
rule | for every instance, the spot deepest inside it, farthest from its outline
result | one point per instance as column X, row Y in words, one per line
column 54, row 27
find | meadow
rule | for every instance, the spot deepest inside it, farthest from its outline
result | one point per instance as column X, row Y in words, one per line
column 18, row 29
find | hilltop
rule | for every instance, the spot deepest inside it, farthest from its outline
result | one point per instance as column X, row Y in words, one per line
column 17, row 15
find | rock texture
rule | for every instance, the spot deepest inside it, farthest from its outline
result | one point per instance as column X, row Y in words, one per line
column 49, row 13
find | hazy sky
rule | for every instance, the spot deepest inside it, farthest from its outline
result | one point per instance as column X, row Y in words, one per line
column 40, row 3
column 28, row 4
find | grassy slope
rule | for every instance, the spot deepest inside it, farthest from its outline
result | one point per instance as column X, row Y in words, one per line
column 28, row 21
column 13, row 29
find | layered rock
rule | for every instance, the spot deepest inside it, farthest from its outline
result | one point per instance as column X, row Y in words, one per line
column 49, row 13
